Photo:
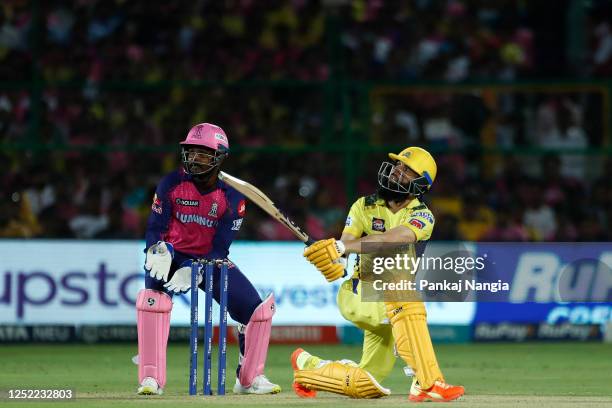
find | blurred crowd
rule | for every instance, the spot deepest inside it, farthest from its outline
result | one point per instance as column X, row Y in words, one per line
column 81, row 196
column 450, row 40
column 118, row 74
column 231, row 40
column 517, row 206
column 109, row 195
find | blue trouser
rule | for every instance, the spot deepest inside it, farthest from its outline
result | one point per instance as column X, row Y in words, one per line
column 242, row 297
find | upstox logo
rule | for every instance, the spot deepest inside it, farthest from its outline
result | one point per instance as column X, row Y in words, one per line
column 28, row 292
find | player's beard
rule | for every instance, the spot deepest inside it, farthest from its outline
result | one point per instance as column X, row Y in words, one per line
column 206, row 179
column 389, row 195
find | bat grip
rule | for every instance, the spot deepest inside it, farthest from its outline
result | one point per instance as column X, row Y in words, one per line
column 309, row 241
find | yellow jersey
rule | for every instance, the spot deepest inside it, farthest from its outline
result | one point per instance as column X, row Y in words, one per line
column 371, row 215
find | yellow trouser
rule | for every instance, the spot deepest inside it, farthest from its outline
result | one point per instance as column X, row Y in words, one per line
column 377, row 356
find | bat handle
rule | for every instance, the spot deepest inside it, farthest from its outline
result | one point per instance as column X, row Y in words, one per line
column 309, row 241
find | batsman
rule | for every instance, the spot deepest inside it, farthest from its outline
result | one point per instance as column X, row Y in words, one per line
column 394, row 215
column 196, row 215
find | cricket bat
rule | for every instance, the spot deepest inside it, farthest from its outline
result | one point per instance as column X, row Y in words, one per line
column 263, row 201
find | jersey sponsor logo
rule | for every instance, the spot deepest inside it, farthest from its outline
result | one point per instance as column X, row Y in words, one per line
column 378, row 224
column 417, row 223
column 424, row 214
column 241, row 208
column 196, row 218
column 157, row 204
column 236, row 224
column 187, row 203
column 213, row 210
column 349, row 221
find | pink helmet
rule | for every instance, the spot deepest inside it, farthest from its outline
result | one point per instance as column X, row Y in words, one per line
column 207, row 135
column 204, row 135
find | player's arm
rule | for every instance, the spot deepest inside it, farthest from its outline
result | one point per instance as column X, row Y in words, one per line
column 416, row 228
column 347, row 236
column 159, row 254
column 330, row 255
column 325, row 254
column 397, row 235
column 229, row 225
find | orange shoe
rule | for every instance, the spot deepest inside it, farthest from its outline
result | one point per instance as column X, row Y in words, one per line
column 299, row 389
column 294, row 357
column 302, row 391
column 439, row 392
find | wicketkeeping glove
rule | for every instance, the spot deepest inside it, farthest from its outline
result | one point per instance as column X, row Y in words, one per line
column 181, row 280
column 158, row 260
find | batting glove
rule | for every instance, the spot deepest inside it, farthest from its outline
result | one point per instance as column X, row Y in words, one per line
column 323, row 253
column 334, row 271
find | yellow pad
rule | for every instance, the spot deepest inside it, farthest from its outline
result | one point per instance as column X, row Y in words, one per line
column 342, row 379
column 412, row 340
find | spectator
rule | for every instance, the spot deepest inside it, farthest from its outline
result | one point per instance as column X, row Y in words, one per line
column 90, row 221
column 476, row 218
column 220, row 45
column 508, row 227
column 17, row 219
column 538, row 217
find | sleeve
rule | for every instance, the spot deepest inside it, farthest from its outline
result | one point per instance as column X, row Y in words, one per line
column 421, row 223
column 161, row 210
column 229, row 224
column 354, row 221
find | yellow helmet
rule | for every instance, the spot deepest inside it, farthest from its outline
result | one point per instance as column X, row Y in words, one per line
column 417, row 159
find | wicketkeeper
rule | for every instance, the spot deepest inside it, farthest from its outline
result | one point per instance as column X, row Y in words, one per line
column 395, row 214
column 196, row 215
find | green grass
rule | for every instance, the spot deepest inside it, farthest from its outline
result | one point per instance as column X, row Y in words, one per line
column 553, row 374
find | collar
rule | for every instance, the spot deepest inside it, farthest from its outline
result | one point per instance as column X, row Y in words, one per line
column 412, row 204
